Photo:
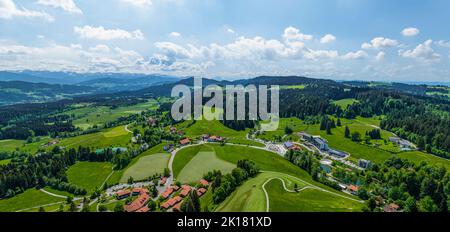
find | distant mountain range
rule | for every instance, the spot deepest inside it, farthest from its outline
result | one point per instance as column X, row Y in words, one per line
column 40, row 86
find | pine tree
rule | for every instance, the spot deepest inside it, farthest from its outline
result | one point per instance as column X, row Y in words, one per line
column 347, row 132
column 339, row 122
column 328, row 128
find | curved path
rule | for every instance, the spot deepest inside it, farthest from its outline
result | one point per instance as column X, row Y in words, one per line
column 285, row 188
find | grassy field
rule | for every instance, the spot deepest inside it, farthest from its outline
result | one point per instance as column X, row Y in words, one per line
column 117, row 175
column 28, row 199
column 200, row 164
column 250, row 197
column 146, row 166
column 89, row 175
column 344, row 103
column 116, row 136
column 308, row 200
column 418, row 156
column 87, row 116
column 184, row 156
column 10, row 145
column 5, row 161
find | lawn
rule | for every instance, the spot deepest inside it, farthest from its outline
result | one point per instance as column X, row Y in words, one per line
column 249, row 197
column 28, row 199
column 147, row 166
column 116, row 136
column 10, row 145
column 89, row 175
column 344, row 103
column 88, row 116
column 308, row 200
column 200, row 164
column 418, row 156
column 117, row 175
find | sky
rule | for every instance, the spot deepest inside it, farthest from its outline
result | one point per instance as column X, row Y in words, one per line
column 380, row 40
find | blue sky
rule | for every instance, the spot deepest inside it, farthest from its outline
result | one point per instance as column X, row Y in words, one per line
column 384, row 40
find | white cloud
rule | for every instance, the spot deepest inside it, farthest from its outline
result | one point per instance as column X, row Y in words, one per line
column 66, row 5
column 443, row 43
column 8, row 10
column 175, row 34
column 423, row 52
column 229, row 30
column 100, row 33
column 139, row 3
column 293, row 34
column 380, row 56
column 410, row 31
column 328, row 38
column 380, row 43
column 355, row 55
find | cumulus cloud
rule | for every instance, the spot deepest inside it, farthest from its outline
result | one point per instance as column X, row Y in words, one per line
column 293, row 34
column 139, row 3
column 423, row 52
column 8, row 10
column 443, row 43
column 231, row 31
column 410, row 31
column 380, row 56
column 100, row 33
column 380, row 43
column 328, row 38
column 175, row 34
column 66, row 5
column 360, row 54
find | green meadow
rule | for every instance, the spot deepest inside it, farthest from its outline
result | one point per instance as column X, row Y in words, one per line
column 89, row 175
column 28, row 199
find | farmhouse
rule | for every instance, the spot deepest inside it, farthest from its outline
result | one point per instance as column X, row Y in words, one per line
column 121, row 194
column 201, row 191
column 139, row 203
column 292, row 146
column 163, row 180
column 171, row 202
column 167, row 193
column 204, row 182
column 185, row 190
column 391, row 208
column 185, row 141
column 353, row 189
column 215, row 138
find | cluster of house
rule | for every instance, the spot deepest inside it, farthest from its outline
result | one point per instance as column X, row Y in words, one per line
column 140, row 204
column 212, row 138
column 322, row 144
column 292, row 146
column 175, row 201
column 174, row 130
column 404, row 144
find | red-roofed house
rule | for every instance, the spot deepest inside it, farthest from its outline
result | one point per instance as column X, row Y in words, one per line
column 167, row 193
column 163, row 180
column 353, row 188
column 185, row 141
column 137, row 204
column 177, row 207
column 201, row 191
column 121, row 194
column 391, row 208
column 185, row 191
column 171, row 202
column 204, row 182
column 175, row 187
column 144, row 209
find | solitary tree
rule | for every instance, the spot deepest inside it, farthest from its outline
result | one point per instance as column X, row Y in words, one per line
column 347, row 132
column 339, row 122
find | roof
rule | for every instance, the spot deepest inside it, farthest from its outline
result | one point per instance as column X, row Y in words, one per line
column 144, row 209
column 185, row 191
column 201, row 191
column 185, row 141
column 391, row 207
column 137, row 204
column 353, row 188
column 204, row 182
column 163, row 180
column 177, row 207
column 167, row 193
column 123, row 192
column 171, row 202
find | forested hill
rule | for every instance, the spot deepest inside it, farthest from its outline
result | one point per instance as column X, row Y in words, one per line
column 13, row 92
